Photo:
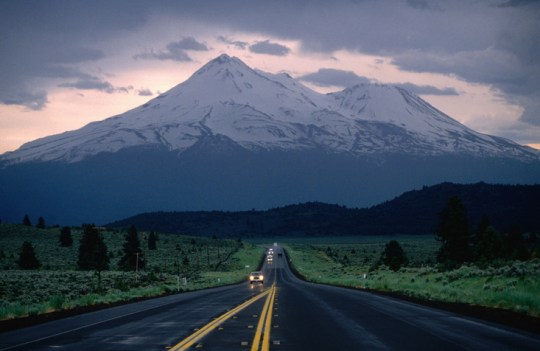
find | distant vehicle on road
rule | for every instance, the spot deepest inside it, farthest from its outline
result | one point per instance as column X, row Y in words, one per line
column 256, row 277
column 269, row 258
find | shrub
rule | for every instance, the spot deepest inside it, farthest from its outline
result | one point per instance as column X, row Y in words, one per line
column 393, row 256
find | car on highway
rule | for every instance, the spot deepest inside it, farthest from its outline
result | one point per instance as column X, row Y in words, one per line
column 256, row 277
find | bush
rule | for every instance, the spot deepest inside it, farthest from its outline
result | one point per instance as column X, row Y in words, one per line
column 57, row 302
column 393, row 256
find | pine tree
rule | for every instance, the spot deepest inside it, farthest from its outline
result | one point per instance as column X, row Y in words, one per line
column 482, row 227
column 26, row 221
column 65, row 237
column 393, row 256
column 490, row 246
column 92, row 251
column 132, row 252
column 453, row 232
column 27, row 257
column 516, row 247
column 41, row 223
column 152, row 241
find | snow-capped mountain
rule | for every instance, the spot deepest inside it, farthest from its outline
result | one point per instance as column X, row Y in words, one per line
column 233, row 138
column 259, row 110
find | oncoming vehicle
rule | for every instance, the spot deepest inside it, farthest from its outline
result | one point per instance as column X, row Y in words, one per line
column 256, row 277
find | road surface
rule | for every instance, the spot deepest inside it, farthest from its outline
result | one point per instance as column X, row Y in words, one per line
column 283, row 314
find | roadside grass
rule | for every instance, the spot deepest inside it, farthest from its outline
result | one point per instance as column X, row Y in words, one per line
column 514, row 286
column 204, row 262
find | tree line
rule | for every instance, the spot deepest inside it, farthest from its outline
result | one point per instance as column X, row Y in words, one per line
column 93, row 253
column 460, row 245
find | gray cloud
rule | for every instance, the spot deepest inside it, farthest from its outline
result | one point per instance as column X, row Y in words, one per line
column 334, row 77
column 48, row 40
column 41, row 60
column 531, row 105
column 175, row 51
column 236, row 43
column 492, row 42
column 174, row 55
column 421, row 4
column 427, row 89
column 188, row 43
column 327, row 77
column 75, row 55
column 88, row 82
column 144, row 92
column 26, row 98
column 269, row 48
column 518, row 3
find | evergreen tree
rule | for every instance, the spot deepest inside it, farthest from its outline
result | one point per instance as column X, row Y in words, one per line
column 26, row 221
column 534, row 245
column 41, row 223
column 65, row 237
column 27, row 257
column 482, row 227
column 393, row 256
column 490, row 247
column 516, row 247
column 152, row 241
column 132, row 252
column 453, row 232
column 92, row 251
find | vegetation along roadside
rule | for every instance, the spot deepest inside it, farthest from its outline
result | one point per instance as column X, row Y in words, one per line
column 43, row 270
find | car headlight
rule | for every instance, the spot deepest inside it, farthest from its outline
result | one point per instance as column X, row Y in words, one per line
column 251, row 277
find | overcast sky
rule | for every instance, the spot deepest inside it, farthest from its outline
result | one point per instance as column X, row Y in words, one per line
column 64, row 64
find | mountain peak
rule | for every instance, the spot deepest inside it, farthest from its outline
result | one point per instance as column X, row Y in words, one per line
column 222, row 62
column 259, row 110
column 223, row 58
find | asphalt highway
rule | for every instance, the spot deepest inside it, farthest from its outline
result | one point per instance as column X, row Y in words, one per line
column 283, row 314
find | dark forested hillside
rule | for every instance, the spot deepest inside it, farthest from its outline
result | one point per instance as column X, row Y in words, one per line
column 414, row 212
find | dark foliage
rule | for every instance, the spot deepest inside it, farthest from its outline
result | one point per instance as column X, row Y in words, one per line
column 414, row 212
column 27, row 257
column 152, row 241
column 133, row 257
column 490, row 246
column 41, row 223
column 92, row 251
column 393, row 256
column 515, row 245
column 26, row 221
column 65, row 237
column 453, row 232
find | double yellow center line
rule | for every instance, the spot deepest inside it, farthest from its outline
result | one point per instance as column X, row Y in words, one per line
column 264, row 322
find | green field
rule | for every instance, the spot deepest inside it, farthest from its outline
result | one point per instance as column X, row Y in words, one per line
column 204, row 262
column 209, row 262
column 513, row 285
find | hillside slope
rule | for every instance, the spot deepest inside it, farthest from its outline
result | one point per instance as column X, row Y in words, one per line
column 414, row 212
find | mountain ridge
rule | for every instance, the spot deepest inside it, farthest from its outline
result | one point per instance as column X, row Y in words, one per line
column 233, row 138
column 259, row 110
column 413, row 212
